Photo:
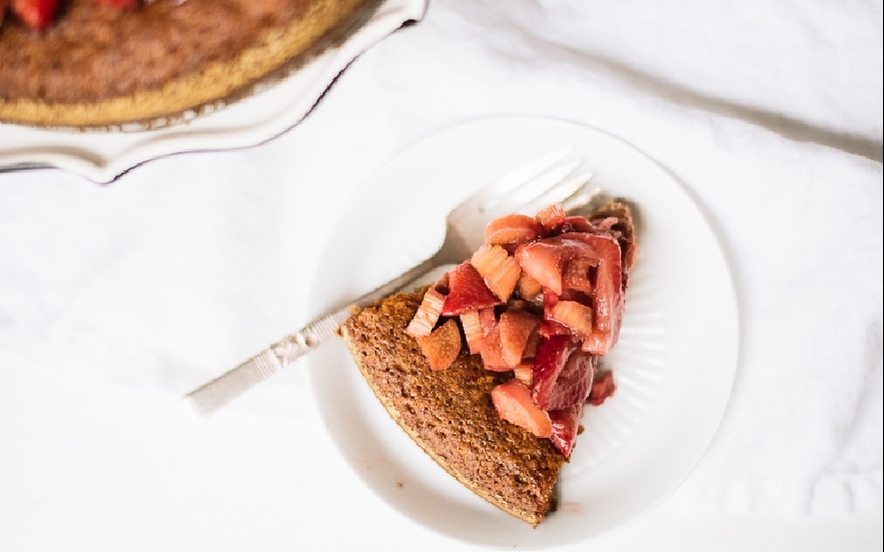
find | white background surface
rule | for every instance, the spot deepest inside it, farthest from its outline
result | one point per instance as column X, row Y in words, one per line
column 115, row 300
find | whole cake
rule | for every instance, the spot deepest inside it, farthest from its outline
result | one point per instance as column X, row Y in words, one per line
column 85, row 63
column 490, row 369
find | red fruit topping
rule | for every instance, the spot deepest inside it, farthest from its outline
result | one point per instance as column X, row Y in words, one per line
column 602, row 388
column 427, row 314
column 500, row 271
column 562, row 373
column 442, row 346
column 119, row 4
column 492, row 354
column 552, row 353
column 36, row 14
column 512, row 230
column 551, row 217
column 515, row 328
column 472, row 331
column 576, row 274
column 575, row 224
column 528, row 288
column 576, row 316
column 565, row 427
column 467, row 291
column 514, row 404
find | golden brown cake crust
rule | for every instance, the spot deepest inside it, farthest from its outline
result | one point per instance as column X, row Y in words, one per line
column 450, row 414
column 100, row 67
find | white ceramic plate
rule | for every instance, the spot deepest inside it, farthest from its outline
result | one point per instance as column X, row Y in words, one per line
column 103, row 155
column 674, row 364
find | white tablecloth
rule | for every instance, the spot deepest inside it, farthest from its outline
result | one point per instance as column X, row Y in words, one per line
column 770, row 114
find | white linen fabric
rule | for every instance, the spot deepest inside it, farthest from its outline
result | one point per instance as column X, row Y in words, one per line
column 770, row 114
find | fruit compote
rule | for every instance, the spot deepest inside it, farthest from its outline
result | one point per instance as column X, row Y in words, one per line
column 542, row 298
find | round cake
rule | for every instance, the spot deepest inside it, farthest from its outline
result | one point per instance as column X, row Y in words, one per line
column 160, row 61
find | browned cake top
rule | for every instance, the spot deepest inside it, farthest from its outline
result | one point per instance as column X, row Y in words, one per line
column 160, row 59
column 450, row 414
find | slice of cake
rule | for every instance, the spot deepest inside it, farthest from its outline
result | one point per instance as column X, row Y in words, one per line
column 490, row 369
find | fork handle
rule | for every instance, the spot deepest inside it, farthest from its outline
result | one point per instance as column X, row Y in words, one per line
column 226, row 387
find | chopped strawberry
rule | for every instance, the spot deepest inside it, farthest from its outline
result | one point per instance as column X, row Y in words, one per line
column 514, row 404
column 36, row 14
column 552, row 353
column 565, row 427
column 442, row 346
column 427, row 314
column 602, row 388
column 119, row 4
column 467, row 291
column 500, row 271
column 551, row 217
column 512, row 230
column 492, row 354
column 576, row 316
column 575, row 224
column 574, row 382
column 515, row 328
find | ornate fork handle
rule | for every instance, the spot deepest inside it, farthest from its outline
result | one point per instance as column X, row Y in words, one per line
column 226, row 387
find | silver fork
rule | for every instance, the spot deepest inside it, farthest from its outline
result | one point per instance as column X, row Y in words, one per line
column 542, row 181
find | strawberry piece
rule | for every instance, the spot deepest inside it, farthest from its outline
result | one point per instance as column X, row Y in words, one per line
column 512, row 230
column 575, row 224
column 552, row 353
column 565, row 427
column 442, row 346
column 574, row 382
column 515, row 327
column 602, row 388
column 551, row 217
column 119, row 4
column 36, row 14
column 576, row 316
column 467, row 291
column 427, row 314
column 500, row 271
column 514, row 404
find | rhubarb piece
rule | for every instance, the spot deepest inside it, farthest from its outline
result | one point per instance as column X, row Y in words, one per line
column 36, row 14
column 576, row 316
column 515, row 327
column 602, row 388
column 500, row 271
column 427, row 314
column 524, row 372
column 565, row 427
column 551, row 217
column 492, row 353
column 442, row 346
column 511, row 230
column 514, row 404
column 528, row 288
column 467, row 291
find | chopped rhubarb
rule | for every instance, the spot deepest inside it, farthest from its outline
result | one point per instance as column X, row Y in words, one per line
column 524, row 372
column 551, row 217
column 472, row 331
column 427, row 314
column 512, row 230
column 514, row 404
column 565, row 427
column 500, row 270
column 576, row 316
column 602, row 388
column 515, row 328
column 467, row 291
column 491, row 352
column 442, row 345
column 528, row 288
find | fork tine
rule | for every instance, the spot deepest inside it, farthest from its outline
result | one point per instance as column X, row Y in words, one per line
column 519, row 175
column 570, row 192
